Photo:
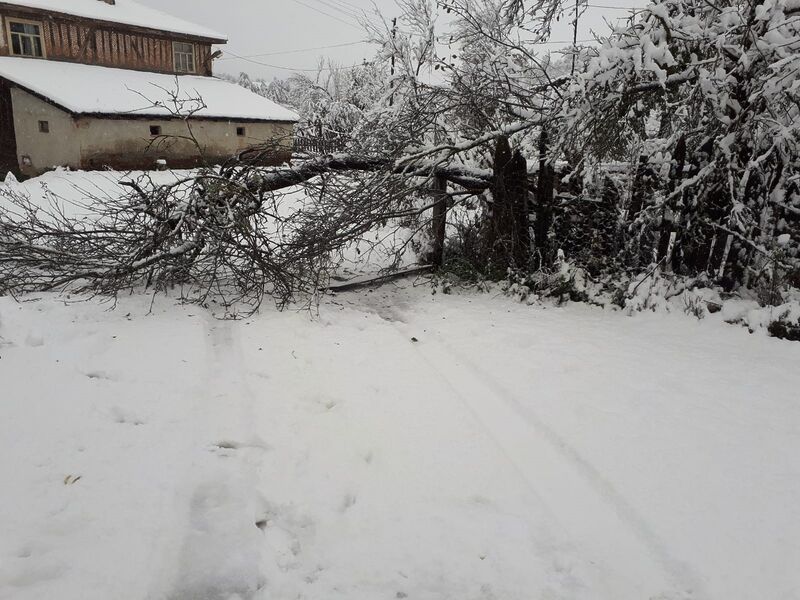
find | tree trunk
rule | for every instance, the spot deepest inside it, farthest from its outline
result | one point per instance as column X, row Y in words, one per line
column 508, row 237
column 544, row 206
column 641, row 179
column 438, row 221
column 519, row 196
column 671, row 217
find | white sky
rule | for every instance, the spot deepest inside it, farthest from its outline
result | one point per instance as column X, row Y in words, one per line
column 278, row 28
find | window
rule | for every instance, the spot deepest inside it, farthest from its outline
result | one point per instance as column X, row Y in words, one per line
column 26, row 38
column 240, row 131
column 44, row 126
column 155, row 129
column 183, row 55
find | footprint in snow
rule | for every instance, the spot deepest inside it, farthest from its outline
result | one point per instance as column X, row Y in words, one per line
column 124, row 418
column 348, row 502
column 98, row 375
column 223, row 446
column 34, row 341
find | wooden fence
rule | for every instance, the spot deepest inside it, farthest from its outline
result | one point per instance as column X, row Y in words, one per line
column 319, row 145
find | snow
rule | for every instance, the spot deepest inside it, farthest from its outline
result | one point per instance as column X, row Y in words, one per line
column 511, row 452
column 71, row 192
column 126, row 12
column 394, row 443
column 89, row 89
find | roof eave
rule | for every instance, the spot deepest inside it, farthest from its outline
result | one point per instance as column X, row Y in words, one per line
column 143, row 116
column 151, row 117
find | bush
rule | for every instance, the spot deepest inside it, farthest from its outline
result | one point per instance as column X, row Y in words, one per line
column 784, row 330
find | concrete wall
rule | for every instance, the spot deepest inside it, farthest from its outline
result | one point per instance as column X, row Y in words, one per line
column 95, row 143
column 60, row 147
column 127, row 143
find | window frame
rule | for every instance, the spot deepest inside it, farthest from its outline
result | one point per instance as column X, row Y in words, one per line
column 155, row 131
column 10, row 39
column 241, row 131
column 44, row 126
column 175, row 54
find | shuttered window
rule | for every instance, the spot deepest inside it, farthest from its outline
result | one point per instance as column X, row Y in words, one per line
column 183, row 54
column 26, row 39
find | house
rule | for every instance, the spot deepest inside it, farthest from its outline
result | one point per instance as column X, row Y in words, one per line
column 90, row 84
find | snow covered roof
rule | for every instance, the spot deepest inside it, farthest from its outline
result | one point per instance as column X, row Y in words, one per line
column 88, row 89
column 127, row 12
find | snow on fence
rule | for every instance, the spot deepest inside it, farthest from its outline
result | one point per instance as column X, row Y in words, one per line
column 319, row 145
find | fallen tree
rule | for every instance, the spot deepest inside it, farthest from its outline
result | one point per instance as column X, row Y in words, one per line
column 238, row 231
column 468, row 178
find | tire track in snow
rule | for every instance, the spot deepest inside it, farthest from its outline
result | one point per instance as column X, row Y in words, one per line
column 220, row 557
column 572, row 474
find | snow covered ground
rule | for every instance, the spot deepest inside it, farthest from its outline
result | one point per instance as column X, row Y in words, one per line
column 394, row 444
column 510, row 452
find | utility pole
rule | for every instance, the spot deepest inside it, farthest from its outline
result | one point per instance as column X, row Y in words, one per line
column 575, row 37
column 394, row 37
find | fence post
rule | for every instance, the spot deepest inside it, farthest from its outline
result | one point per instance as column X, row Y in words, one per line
column 544, row 205
column 671, row 216
column 439, row 220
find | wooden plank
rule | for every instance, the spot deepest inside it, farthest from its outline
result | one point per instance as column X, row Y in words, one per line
column 94, row 42
column 366, row 280
column 88, row 38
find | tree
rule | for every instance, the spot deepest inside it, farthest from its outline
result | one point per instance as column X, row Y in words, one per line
column 677, row 135
column 720, row 77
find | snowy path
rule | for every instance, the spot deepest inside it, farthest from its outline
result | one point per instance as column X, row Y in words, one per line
column 509, row 453
column 585, row 504
column 219, row 555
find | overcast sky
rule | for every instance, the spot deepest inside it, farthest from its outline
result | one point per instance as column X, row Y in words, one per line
column 288, row 34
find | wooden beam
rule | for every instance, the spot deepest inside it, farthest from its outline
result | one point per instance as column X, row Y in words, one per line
column 366, row 280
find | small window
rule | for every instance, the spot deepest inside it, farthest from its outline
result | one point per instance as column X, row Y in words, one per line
column 44, row 126
column 240, row 131
column 183, row 54
column 26, row 39
column 155, row 129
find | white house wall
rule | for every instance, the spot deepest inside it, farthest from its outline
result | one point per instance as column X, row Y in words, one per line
column 127, row 143
column 92, row 142
column 59, row 147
